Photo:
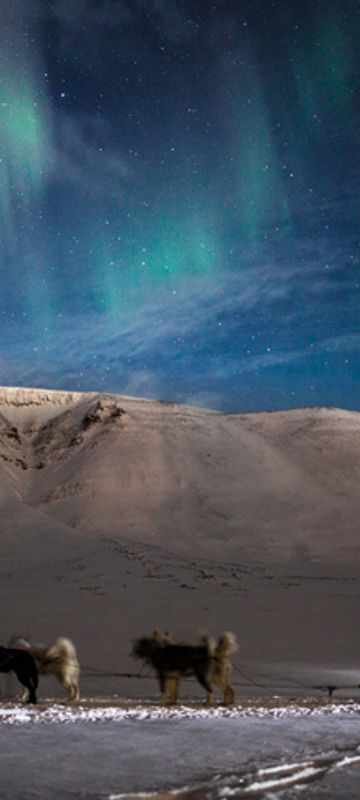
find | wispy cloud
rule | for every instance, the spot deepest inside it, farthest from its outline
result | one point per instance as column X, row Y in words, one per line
column 86, row 159
column 166, row 17
column 346, row 343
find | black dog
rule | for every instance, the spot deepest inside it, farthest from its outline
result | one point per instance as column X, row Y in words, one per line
column 172, row 660
column 23, row 664
column 208, row 662
column 217, row 672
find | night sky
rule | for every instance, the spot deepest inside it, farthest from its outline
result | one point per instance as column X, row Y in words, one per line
column 180, row 200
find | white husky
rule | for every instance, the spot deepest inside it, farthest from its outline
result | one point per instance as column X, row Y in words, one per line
column 57, row 659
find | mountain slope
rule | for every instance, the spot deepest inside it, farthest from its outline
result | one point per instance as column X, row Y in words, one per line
column 273, row 486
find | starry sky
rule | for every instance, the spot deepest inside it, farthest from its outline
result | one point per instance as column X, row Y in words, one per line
column 179, row 200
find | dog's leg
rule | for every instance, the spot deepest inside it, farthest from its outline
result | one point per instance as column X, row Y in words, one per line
column 173, row 690
column 75, row 692
column 163, row 689
column 28, row 681
column 66, row 685
column 32, row 695
column 167, row 689
column 220, row 675
column 226, row 688
column 210, row 698
column 229, row 695
column 71, row 688
column 203, row 678
column 222, row 681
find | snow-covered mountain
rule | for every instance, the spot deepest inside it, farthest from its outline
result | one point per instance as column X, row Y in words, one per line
column 120, row 514
column 274, row 486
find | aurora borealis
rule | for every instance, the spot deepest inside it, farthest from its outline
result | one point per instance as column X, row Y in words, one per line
column 180, row 200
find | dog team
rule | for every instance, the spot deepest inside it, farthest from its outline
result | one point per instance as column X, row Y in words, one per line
column 208, row 662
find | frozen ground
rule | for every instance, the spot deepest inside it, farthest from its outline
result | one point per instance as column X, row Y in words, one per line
column 126, row 750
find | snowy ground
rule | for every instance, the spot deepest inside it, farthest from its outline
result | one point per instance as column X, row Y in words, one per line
column 141, row 750
column 119, row 710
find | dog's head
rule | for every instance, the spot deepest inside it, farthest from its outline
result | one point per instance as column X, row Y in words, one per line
column 162, row 638
column 146, row 648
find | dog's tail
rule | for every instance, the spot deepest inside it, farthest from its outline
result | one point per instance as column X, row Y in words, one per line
column 208, row 642
column 226, row 644
column 20, row 642
column 62, row 649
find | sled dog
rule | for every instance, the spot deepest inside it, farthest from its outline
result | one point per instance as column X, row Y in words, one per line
column 209, row 662
column 23, row 664
column 58, row 659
